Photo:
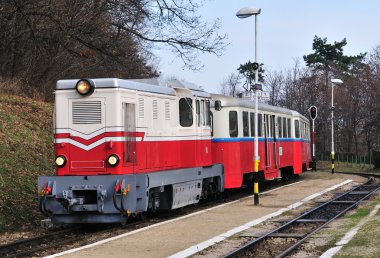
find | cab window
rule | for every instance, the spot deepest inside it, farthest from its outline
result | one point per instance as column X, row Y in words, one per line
column 186, row 112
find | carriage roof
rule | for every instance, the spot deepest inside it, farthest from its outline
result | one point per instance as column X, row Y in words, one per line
column 245, row 103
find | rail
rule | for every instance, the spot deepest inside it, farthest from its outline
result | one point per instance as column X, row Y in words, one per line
column 297, row 230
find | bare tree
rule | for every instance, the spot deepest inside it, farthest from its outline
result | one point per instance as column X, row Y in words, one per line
column 42, row 41
column 231, row 86
column 275, row 81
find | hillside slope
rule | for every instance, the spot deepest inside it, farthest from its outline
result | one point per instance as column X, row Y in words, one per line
column 26, row 152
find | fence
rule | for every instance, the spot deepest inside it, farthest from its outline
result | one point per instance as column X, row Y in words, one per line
column 349, row 159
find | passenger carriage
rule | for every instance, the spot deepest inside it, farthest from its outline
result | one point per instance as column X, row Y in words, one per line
column 284, row 139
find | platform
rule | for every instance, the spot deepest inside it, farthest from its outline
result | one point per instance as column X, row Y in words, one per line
column 186, row 235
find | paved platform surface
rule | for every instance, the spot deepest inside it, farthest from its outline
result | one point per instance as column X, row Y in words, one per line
column 171, row 238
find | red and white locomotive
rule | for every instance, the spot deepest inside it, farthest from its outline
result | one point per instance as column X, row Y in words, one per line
column 124, row 147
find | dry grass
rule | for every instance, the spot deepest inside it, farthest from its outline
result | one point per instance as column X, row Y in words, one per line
column 25, row 153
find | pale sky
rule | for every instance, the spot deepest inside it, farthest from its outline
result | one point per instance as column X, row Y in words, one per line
column 286, row 31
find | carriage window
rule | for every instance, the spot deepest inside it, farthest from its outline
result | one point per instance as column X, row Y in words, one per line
column 245, row 124
column 289, row 128
column 198, row 111
column 297, row 128
column 233, row 124
column 272, row 126
column 252, row 119
column 279, row 126
column 284, row 131
column 208, row 113
column 305, row 128
column 260, row 125
column 203, row 109
column 186, row 112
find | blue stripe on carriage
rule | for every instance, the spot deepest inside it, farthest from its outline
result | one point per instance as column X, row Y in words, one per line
column 261, row 139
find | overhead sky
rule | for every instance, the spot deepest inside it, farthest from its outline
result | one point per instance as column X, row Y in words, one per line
column 285, row 32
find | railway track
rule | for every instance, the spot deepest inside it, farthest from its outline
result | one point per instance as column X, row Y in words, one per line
column 51, row 242
column 27, row 247
column 283, row 240
column 365, row 174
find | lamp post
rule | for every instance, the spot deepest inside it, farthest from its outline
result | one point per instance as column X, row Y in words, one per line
column 333, row 82
column 245, row 13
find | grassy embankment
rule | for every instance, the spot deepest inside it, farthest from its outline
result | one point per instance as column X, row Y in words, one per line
column 25, row 153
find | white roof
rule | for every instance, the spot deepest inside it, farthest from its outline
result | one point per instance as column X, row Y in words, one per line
column 152, row 85
column 228, row 101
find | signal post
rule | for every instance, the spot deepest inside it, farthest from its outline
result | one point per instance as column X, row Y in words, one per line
column 313, row 116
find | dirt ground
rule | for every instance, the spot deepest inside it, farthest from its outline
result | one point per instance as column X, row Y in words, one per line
column 170, row 238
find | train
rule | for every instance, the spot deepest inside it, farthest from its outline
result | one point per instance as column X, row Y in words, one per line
column 127, row 147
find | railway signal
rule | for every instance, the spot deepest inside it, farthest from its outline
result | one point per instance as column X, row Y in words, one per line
column 313, row 116
column 255, row 66
column 313, row 112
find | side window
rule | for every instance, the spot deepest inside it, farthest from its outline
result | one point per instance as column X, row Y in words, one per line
column 252, row 119
column 279, row 126
column 289, row 128
column 233, row 124
column 305, row 134
column 245, row 124
column 284, row 131
column 208, row 113
column 186, row 112
column 260, row 125
column 212, row 123
column 297, row 128
column 272, row 127
column 198, row 111
column 203, row 112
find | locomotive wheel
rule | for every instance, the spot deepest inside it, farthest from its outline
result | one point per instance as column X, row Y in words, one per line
column 142, row 215
column 124, row 220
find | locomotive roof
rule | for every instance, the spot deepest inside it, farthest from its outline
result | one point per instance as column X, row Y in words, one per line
column 146, row 85
column 238, row 102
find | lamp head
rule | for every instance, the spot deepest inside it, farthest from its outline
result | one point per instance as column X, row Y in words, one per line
column 247, row 12
column 337, row 81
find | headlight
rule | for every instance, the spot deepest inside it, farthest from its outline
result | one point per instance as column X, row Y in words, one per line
column 113, row 160
column 85, row 87
column 60, row 161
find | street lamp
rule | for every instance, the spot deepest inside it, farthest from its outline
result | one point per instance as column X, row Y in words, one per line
column 245, row 13
column 337, row 82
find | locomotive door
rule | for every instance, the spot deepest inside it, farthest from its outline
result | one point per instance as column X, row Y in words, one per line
column 130, row 134
column 203, row 131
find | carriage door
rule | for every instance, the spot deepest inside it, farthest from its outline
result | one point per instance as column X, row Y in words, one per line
column 270, row 141
column 266, row 135
column 274, row 143
column 130, row 134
